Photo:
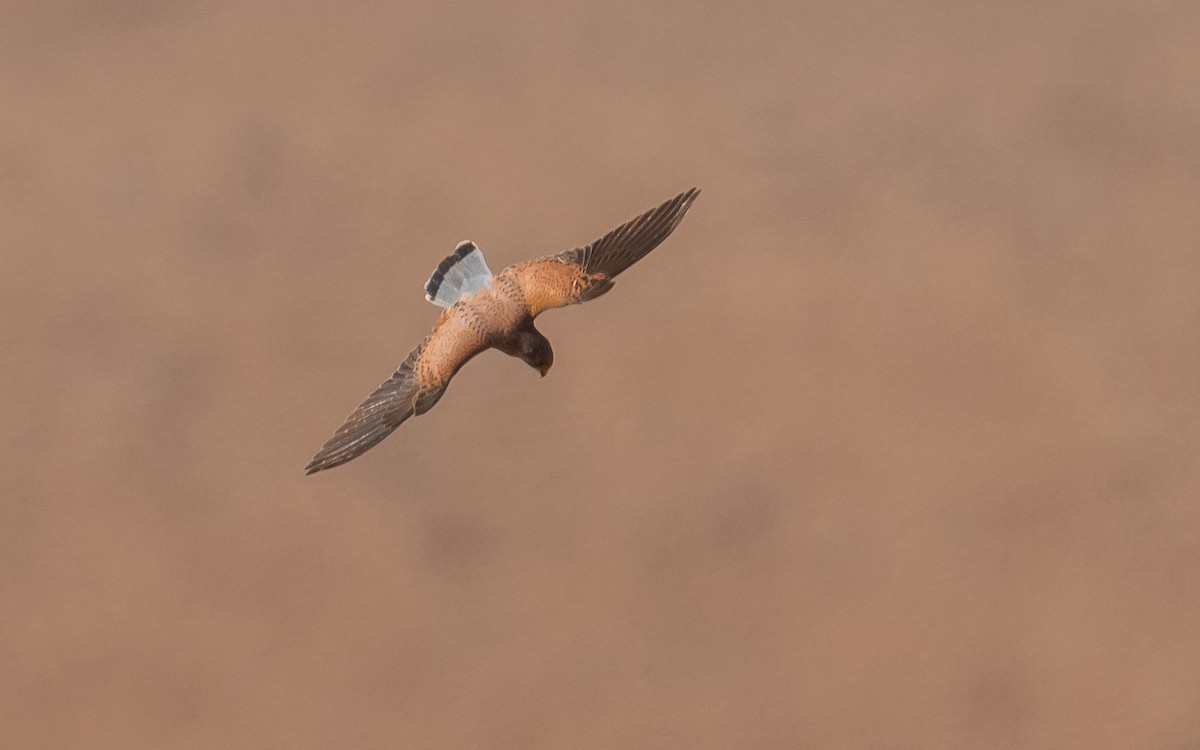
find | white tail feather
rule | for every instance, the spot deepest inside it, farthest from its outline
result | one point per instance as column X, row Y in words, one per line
column 462, row 272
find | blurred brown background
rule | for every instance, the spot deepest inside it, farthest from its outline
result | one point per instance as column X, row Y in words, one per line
column 892, row 445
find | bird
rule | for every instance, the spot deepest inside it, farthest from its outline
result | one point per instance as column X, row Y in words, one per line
column 494, row 311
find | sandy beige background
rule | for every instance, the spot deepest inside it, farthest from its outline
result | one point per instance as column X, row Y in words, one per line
column 892, row 445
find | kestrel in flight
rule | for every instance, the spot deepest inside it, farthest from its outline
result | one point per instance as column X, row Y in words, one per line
column 494, row 311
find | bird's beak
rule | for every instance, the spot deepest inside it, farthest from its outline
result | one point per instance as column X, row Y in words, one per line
column 544, row 369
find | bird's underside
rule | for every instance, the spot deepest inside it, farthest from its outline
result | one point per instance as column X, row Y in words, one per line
column 485, row 311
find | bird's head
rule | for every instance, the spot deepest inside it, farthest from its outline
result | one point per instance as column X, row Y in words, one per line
column 535, row 350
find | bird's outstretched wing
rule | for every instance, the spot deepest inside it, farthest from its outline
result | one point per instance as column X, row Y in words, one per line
column 584, row 273
column 630, row 242
column 411, row 391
